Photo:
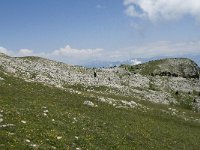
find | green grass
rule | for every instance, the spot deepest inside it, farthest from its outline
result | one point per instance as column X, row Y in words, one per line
column 102, row 127
column 145, row 68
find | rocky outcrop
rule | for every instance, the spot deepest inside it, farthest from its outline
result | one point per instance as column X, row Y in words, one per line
column 185, row 68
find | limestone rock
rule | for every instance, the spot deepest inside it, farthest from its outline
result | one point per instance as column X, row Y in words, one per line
column 176, row 67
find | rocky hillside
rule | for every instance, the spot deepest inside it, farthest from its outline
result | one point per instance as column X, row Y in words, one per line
column 156, row 81
column 51, row 105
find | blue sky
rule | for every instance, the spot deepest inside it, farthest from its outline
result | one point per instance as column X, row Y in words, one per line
column 80, row 31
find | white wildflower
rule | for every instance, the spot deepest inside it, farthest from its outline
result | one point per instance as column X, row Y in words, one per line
column 27, row 140
column 7, row 125
column 46, row 111
column 23, row 121
column 10, row 133
column 59, row 137
column 33, row 145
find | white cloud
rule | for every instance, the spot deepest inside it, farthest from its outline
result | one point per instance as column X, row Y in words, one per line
column 67, row 54
column 76, row 56
column 166, row 10
column 131, row 11
column 135, row 62
column 156, row 49
column 4, row 50
column 165, row 48
column 25, row 52
column 68, row 51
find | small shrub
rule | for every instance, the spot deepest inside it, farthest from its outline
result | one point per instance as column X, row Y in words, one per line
column 151, row 87
column 33, row 75
column 196, row 93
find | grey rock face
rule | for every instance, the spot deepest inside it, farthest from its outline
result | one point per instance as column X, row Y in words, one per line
column 178, row 68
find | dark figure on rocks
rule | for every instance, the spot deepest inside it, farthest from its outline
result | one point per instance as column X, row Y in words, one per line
column 194, row 101
column 95, row 74
column 176, row 93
